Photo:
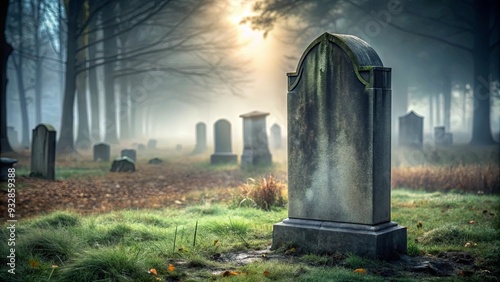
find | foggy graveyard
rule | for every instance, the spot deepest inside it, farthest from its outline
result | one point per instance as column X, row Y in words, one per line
column 186, row 140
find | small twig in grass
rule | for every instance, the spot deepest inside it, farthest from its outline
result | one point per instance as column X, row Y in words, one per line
column 195, row 231
column 175, row 238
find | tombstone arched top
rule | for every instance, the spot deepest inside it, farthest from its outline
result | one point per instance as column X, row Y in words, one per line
column 47, row 126
column 412, row 114
column 200, row 123
column 362, row 55
column 222, row 121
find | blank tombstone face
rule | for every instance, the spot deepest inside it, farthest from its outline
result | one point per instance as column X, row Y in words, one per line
column 222, row 136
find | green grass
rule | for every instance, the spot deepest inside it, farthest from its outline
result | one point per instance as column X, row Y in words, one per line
column 125, row 245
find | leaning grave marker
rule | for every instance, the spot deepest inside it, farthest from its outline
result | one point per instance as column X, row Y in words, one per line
column 43, row 152
column 339, row 152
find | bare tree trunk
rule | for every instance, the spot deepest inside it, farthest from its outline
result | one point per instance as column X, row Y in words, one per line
column 4, row 55
column 38, row 65
column 431, row 112
column 66, row 142
column 93, row 82
column 111, row 135
column 82, row 135
column 481, row 124
column 446, row 90
column 25, row 139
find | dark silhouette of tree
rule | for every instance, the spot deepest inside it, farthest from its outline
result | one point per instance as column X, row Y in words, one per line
column 4, row 55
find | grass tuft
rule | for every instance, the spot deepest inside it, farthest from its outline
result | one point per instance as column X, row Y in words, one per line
column 110, row 264
column 264, row 193
column 58, row 219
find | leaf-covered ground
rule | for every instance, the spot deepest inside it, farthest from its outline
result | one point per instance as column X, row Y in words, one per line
column 151, row 186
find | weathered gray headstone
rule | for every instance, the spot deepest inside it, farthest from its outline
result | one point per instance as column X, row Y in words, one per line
column 339, row 152
column 201, row 138
column 102, row 152
column 5, row 165
column 255, row 145
column 155, row 161
column 276, row 136
column 43, row 152
column 152, row 144
column 411, row 130
column 441, row 137
column 222, row 141
column 131, row 153
column 123, row 164
column 141, row 147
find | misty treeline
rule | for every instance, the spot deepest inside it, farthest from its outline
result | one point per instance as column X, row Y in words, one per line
column 113, row 56
column 435, row 48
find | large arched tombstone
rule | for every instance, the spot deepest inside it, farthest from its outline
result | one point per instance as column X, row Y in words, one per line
column 339, row 152
column 222, row 142
column 43, row 152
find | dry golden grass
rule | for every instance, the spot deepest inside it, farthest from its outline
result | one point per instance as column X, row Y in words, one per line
column 265, row 192
column 467, row 178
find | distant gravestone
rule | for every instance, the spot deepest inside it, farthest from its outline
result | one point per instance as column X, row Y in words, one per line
column 222, row 141
column 178, row 148
column 339, row 153
column 141, row 147
column 255, row 145
column 5, row 165
column 201, row 138
column 152, row 144
column 43, row 152
column 441, row 137
column 12, row 135
column 102, row 152
column 123, row 164
column 155, row 161
column 411, row 130
column 131, row 153
column 276, row 136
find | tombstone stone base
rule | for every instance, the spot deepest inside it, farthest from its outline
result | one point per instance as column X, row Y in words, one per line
column 383, row 241
column 223, row 158
column 251, row 159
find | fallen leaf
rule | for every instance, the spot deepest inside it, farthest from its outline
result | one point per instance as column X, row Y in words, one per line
column 266, row 273
column 230, row 273
column 33, row 263
column 472, row 222
column 153, row 271
column 468, row 244
column 360, row 270
column 171, row 268
column 215, row 242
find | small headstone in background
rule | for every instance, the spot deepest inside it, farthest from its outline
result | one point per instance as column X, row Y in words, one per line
column 155, row 161
column 411, row 130
column 152, row 144
column 5, row 164
column 201, row 138
column 178, row 148
column 43, row 152
column 141, row 147
column 123, row 164
column 255, row 145
column 131, row 153
column 276, row 137
column 222, row 142
column 102, row 152
column 441, row 137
